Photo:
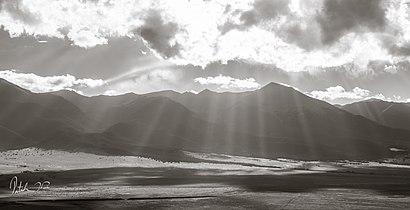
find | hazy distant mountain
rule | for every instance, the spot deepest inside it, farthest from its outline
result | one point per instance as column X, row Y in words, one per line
column 207, row 104
column 395, row 115
column 33, row 117
column 274, row 121
column 97, row 106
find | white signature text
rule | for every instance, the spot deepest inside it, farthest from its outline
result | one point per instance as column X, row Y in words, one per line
column 18, row 187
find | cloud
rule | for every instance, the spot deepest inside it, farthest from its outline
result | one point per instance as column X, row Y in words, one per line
column 85, row 23
column 293, row 35
column 380, row 96
column 146, row 81
column 17, row 11
column 226, row 82
column 302, row 32
column 337, row 92
column 159, row 34
column 264, row 10
column 88, row 83
column 390, row 69
column 86, row 38
column 110, row 93
column 395, row 98
column 156, row 76
column 193, row 92
column 403, row 50
column 39, row 84
column 260, row 12
column 342, row 16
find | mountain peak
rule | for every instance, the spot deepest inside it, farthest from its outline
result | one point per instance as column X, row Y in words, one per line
column 206, row 91
column 275, row 85
column 66, row 92
column 166, row 93
column 272, row 86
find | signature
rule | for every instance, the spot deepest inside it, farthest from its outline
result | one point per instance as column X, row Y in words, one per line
column 18, row 187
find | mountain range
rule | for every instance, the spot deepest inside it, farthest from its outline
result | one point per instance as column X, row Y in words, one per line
column 273, row 121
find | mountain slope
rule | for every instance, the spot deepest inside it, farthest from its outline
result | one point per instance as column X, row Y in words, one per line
column 395, row 115
column 11, row 139
column 33, row 117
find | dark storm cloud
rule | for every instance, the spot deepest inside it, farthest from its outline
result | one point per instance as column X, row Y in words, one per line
column 342, row 16
column 159, row 34
column 262, row 10
column 335, row 19
column 15, row 10
column 307, row 37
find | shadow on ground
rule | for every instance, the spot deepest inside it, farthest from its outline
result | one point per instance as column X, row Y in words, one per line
column 388, row 181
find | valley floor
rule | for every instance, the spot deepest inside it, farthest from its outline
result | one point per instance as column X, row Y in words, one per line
column 216, row 182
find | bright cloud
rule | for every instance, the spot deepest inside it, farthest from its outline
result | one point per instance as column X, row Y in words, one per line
column 193, row 92
column 294, row 35
column 226, row 82
column 39, row 84
column 333, row 94
column 379, row 96
column 337, row 92
column 157, row 76
column 110, row 93
column 390, row 69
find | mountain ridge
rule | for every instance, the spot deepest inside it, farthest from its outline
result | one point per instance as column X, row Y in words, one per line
column 392, row 114
column 273, row 121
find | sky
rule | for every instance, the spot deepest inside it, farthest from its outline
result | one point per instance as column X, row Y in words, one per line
column 340, row 51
